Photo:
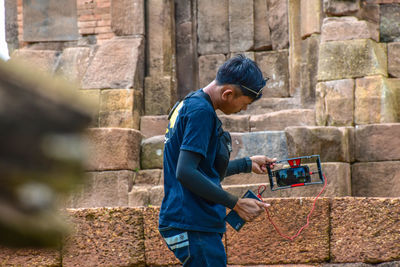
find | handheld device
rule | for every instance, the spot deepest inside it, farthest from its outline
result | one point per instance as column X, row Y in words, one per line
column 234, row 219
column 296, row 175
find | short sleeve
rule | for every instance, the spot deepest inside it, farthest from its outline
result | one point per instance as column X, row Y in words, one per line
column 198, row 130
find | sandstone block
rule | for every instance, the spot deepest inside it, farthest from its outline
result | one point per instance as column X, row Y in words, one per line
column 118, row 63
column 120, row 108
column 245, row 179
column 375, row 100
column 333, row 144
column 160, row 32
column 159, row 95
column 152, row 152
column 139, row 196
column 279, row 120
column 208, row 67
column 351, row 59
column 157, row 252
column 335, row 103
column 157, row 195
column 311, row 17
column 278, row 23
column 295, row 45
column 376, row 179
column 240, row 189
column 113, row 149
column 235, row 123
column 73, row 63
column 43, row 60
column 339, row 183
column 275, row 66
column 390, row 22
column 127, row 17
column 394, row 59
column 369, row 11
column 266, row 105
column 309, row 69
column 211, row 39
column 364, row 230
column 241, row 25
column 348, row 28
column 153, row 125
column 271, row 144
column 377, row 142
column 103, row 189
column 258, row 243
column 341, row 8
column 151, row 177
column 29, row 257
column 105, row 236
column 262, row 35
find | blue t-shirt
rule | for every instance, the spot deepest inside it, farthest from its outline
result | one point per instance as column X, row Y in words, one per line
column 192, row 127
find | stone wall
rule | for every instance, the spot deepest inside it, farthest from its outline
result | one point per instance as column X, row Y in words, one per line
column 342, row 231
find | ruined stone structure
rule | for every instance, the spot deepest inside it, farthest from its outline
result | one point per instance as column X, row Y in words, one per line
column 334, row 90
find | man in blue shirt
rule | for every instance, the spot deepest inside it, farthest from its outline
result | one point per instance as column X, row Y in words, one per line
column 196, row 160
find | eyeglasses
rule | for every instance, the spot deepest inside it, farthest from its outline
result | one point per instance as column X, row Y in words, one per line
column 257, row 94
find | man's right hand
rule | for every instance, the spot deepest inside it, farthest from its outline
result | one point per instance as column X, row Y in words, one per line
column 249, row 209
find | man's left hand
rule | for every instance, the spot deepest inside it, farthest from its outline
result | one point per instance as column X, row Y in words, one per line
column 260, row 162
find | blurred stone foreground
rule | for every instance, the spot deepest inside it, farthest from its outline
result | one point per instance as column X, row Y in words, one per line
column 41, row 155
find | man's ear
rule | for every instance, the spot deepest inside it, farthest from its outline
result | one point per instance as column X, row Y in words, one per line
column 227, row 92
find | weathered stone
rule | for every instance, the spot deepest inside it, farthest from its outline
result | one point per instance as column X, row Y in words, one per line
column 94, row 97
column 279, row 120
column 394, row 59
column 341, row 8
column 160, row 31
column 11, row 24
column 212, row 39
column 49, row 21
column 153, row 125
column 152, row 152
column 127, row 17
column 262, row 35
column 295, row 46
column 377, row 142
column 375, row 100
column 376, row 179
column 152, row 177
column 339, row 183
column 364, row 230
column 271, row 144
column 335, row 103
column 241, row 25
column 309, row 69
column 258, row 243
column 157, row 252
column 103, row 189
column 120, row 108
column 275, row 66
column 139, row 196
column 118, row 63
column 235, row 123
column 311, row 17
column 240, row 189
column 333, row 144
column 73, row 63
column 29, row 257
column 348, row 28
column 369, row 11
column 43, row 60
column 158, row 95
column 245, row 179
column 208, row 67
column 157, row 195
column 113, row 149
column 390, row 22
column 351, row 59
column 105, row 237
column 278, row 23
column 271, row 104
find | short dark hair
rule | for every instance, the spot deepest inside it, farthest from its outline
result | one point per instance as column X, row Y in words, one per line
column 243, row 72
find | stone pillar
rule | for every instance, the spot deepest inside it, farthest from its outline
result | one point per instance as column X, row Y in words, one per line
column 11, row 14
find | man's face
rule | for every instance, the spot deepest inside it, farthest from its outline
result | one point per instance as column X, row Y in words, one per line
column 235, row 104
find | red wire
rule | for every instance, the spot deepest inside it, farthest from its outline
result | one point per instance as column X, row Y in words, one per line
column 308, row 217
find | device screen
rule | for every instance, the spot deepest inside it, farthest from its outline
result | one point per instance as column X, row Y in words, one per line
column 296, row 175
